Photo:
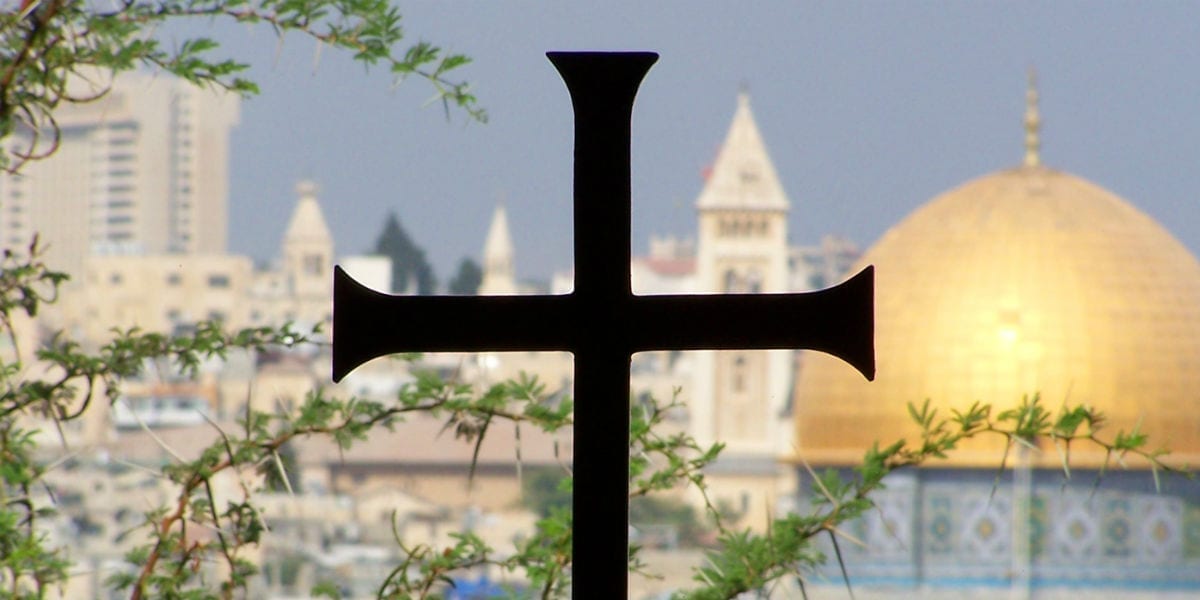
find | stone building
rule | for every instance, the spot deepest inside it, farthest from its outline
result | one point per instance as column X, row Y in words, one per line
column 299, row 287
column 172, row 292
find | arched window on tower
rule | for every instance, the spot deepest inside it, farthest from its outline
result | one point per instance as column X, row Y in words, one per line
column 753, row 282
column 314, row 265
column 739, row 374
column 731, row 281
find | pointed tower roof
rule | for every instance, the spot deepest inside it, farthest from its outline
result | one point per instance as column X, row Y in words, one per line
column 499, row 272
column 307, row 223
column 498, row 244
column 743, row 177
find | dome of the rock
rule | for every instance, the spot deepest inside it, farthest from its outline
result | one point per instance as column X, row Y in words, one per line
column 1025, row 281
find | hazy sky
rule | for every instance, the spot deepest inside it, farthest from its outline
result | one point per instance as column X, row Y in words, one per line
column 868, row 110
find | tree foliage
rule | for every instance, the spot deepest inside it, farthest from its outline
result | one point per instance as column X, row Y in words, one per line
column 67, row 51
column 411, row 273
column 467, row 279
column 543, row 490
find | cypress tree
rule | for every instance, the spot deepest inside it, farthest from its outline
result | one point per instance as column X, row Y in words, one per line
column 466, row 281
column 408, row 259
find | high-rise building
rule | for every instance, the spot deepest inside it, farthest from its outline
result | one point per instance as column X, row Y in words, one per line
column 141, row 170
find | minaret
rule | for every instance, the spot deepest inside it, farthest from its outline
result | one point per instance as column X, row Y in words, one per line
column 1033, row 123
column 308, row 257
column 499, row 273
column 742, row 248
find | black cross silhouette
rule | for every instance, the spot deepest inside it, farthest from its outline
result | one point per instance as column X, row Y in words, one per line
column 602, row 322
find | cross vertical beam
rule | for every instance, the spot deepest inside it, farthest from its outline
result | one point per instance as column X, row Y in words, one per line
column 602, row 88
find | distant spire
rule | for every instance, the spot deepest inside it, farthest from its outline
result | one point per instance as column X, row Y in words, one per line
column 499, row 273
column 306, row 188
column 307, row 222
column 498, row 246
column 1033, row 123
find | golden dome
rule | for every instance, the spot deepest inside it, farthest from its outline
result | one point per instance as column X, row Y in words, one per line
column 1027, row 280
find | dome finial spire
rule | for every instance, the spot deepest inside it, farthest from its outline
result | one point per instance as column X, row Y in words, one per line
column 1033, row 123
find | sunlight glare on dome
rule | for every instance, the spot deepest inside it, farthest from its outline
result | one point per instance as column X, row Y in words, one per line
column 1025, row 281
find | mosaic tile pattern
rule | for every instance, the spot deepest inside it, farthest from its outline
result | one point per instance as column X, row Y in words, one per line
column 962, row 534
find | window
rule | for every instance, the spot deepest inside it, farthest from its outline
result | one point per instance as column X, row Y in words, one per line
column 731, row 283
column 314, row 264
column 753, row 282
column 219, row 281
column 115, row 278
column 739, row 374
column 174, row 279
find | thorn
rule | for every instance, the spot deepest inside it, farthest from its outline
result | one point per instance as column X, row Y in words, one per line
column 153, row 435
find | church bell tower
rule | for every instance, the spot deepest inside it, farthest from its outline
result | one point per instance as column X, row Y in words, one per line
column 739, row 395
column 307, row 259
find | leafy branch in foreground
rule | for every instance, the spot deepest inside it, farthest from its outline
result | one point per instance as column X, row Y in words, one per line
column 55, row 51
column 60, row 385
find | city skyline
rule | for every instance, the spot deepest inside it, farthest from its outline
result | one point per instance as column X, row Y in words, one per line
column 142, row 170
column 868, row 111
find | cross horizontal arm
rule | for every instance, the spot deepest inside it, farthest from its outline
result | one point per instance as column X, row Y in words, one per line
column 839, row 320
column 368, row 324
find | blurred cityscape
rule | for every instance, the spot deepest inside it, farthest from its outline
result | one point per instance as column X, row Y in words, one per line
column 1028, row 280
